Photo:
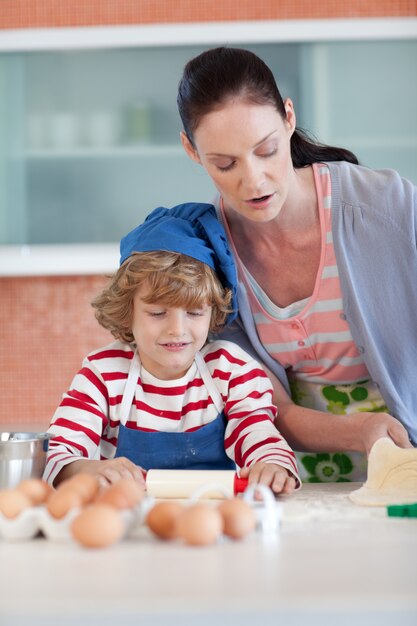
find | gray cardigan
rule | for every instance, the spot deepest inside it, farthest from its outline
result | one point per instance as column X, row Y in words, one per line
column 374, row 220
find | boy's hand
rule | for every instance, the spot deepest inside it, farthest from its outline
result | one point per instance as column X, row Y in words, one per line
column 112, row 470
column 107, row 472
column 270, row 474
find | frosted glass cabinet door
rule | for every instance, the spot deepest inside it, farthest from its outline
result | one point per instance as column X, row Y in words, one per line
column 89, row 144
column 102, row 143
column 13, row 208
column 89, row 139
column 92, row 140
column 364, row 97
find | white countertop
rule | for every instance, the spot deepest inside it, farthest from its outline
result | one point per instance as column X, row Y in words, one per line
column 331, row 563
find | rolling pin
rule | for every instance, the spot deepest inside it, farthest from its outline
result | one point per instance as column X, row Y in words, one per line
column 183, row 483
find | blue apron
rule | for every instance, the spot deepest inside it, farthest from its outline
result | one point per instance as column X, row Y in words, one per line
column 200, row 449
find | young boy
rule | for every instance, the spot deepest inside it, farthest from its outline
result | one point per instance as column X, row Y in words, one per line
column 161, row 395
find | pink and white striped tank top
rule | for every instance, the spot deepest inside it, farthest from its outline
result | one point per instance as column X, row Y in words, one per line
column 311, row 340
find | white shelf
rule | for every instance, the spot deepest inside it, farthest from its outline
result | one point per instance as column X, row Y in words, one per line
column 377, row 142
column 122, row 151
column 152, row 150
column 59, row 259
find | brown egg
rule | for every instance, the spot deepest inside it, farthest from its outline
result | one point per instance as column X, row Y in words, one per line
column 61, row 501
column 238, row 518
column 200, row 525
column 36, row 489
column 125, row 494
column 97, row 526
column 86, row 485
column 13, row 502
column 163, row 518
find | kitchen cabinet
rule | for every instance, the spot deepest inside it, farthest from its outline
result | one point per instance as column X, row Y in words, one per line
column 362, row 95
column 90, row 137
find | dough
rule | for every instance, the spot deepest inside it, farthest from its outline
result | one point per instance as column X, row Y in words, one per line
column 392, row 476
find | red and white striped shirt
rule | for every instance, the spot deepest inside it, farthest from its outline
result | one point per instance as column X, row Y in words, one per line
column 86, row 423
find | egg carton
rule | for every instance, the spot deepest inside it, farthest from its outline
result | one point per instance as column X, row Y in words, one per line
column 34, row 521
column 37, row 520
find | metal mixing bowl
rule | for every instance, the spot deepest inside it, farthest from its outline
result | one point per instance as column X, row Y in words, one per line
column 22, row 455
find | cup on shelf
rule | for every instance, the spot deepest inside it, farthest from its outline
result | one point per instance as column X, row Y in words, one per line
column 102, row 129
column 138, row 123
column 64, row 130
column 37, row 135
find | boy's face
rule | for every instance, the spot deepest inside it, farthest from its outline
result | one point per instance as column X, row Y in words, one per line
column 168, row 338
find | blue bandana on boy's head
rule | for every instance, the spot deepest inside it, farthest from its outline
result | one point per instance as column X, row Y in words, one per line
column 192, row 229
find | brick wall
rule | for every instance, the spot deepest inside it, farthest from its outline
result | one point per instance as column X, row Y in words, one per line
column 47, row 326
column 52, row 13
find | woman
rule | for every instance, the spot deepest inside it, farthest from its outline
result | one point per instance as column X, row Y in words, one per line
column 325, row 250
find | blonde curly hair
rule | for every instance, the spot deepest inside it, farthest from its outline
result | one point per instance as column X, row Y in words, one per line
column 174, row 279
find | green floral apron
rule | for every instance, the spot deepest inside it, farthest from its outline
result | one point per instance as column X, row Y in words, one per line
column 339, row 400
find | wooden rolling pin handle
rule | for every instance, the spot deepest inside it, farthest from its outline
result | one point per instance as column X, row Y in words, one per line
column 183, row 483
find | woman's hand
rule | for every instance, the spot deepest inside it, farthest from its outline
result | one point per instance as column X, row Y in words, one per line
column 373, row 426
column 107, row 472
column 270, row 474
column 316, row 431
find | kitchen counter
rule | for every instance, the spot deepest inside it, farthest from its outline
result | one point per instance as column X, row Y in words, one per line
column 330, row 563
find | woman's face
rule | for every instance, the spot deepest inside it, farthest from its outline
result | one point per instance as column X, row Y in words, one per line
column 245, row 149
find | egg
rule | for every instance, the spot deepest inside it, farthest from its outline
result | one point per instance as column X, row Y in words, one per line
column 125, row 494
column 238, row 518
column 61, row 501
column 97, row 526
column 35, row 489
column 163, row 518
column 200, row 525
column 86, row 485
column 13, row 502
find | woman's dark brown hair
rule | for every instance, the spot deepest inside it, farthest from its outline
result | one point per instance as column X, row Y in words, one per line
column 217, row 75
